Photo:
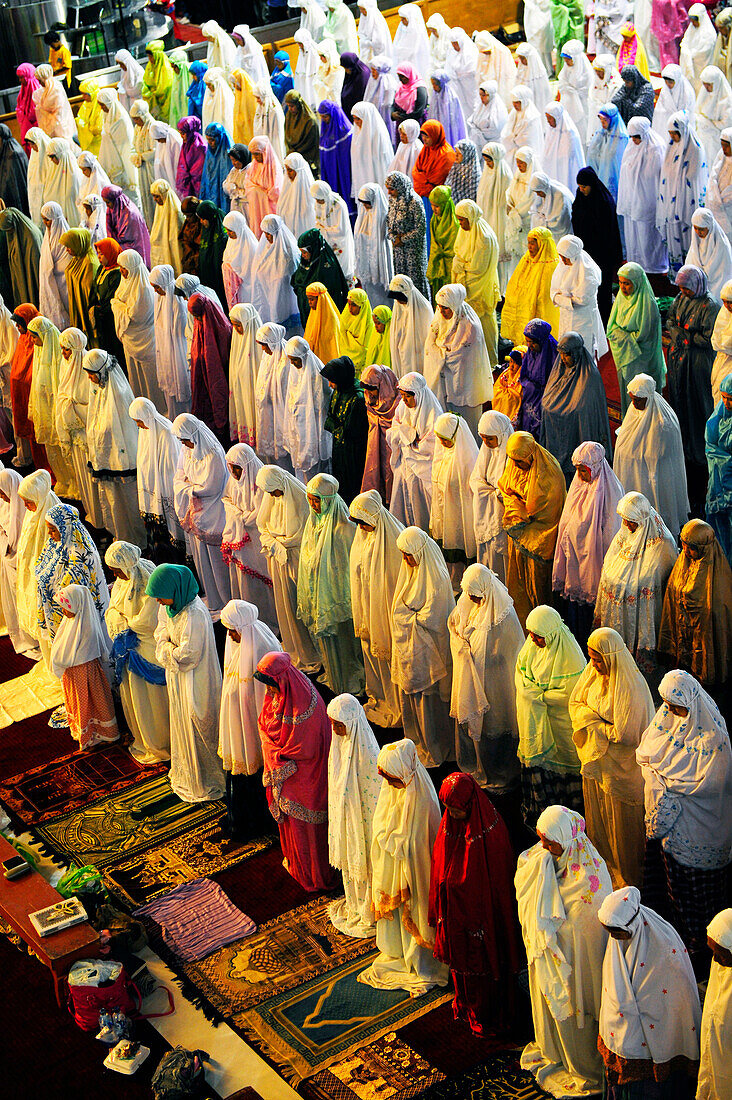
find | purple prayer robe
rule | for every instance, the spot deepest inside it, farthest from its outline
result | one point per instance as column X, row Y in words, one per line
column 335, row 152
column 125, row 223
column 192, row 156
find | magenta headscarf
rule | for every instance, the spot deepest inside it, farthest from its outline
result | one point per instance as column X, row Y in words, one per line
column 406, row 94
column 210, row 348
column 192, row 156
column 125, row 223
column 25, row 108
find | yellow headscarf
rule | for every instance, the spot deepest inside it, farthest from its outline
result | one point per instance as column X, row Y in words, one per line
column 533, row 497
column 90, row 117
column 357, row 331
column 527, row 293
column 379, row 347
column 323, row 329
column 245, row 106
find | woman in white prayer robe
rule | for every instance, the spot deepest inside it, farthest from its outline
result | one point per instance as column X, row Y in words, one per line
column 63, row 178
column 485, row 639
column 519, row 204
column 281, row 521
column 495, row 62
column 71, row 411
column 248, row 55
column 492, row 187
column 710, row 250
column 539, row 29
column 452, row 523
column 111, row 437
column 457, row 366
column 489, row 115
column 677, row 94
column 143, row 156
column 649, row 453
column 421, row 664
column 606, row 83
column 13, row 513
column 532, row 72
column 333, row 221
column 330, row 75
column 308, row 398
column 374, row 566
column 574, row 287
column 411, row 42
column 164, row 246
column 404, row 830
column 683, row 183
column 131, row 619
column 168, row 143
column 411, row 440
column 408, row 148
column 696, row 50
column 719, row 189
column 560, row 885
column 715, row 1070
column 306, row 67
column 92, row 216
column 241, row 548
column 133, row 307
column 494, row 429
column 171, row 349
column 117, row 147
column 186, row 648
column 562, row 155
column 638, row 187
column 218, row 101
column 269, row 120
column 271, row 392
column 38, row 497
column 238, row 260
column 198, row 486
column 221, row 51
column 129, row 87
column 574, row 84
column 371, row 147
column 374, row 36
column 551, row 206
column 353, row 792
column 722, row 342
column 650, row 1015
column 296, row 205
column 243, row 366
column 52, row 288
column 381, row 88
column 94, row 178
column 523, row 125
column 158, row 451
column 461, row 66
column 439, row 38
column 45, row 371
column 37, row 140
column 410, row 321
column 276, row 261
column 713, row 110
column 374, row 260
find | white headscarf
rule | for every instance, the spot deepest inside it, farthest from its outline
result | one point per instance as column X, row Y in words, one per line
column 333, row 221
column 240, row 253
column 36, row 488
column 575, row 84
column 82, row 638
column 495, row 62
column 554, row 210
column 130, row 608
column 640, row 172
column 171, row 350
column 353, row 789
column 271, row 390
column 118, row 142
column 37, row 169
column 523, row 125
column 72, row 397
column 439, row 41
column 562, row 156
column 683, row 175
column 243, row 366
column 574, row 289
column 9, row 335
column 63, row 181
column 423, row 599
column 218, row 100
column 697, row 45
column 489, row 466
column 200, row 480
column 492, row 188
column 307, row 56
column 712, row 253
column 715, row 1071
column 461, row 66
column 111, row 436
column 330, row 76
column 220, row 48
column 54, row 295
column 242, row 697
column 96, row 218
column 164, row 245
column 371, row 147
column 410, row 323
column 158, row 451
column 719, row 190
column 168, row 143
column 269, row 119
column 281, row 520
column 456, row 364
column 411, row 43
column 605, row 87
column 374, row 566
column 374, row 258
column 274, row 265
column 406, row 152
column 296, row 205
column 650, row 1002
column 374, row 36
column 133, row 306
column 649, row 454
column 488, row 120
column 532, row 73
column 681, row 97
column 13, row 513
column 250, row 55
column 308, row 398
column 129, row 87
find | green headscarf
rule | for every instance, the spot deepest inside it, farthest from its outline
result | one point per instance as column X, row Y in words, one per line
column 213, row 242
column 443, row 231
column 80, row 272
column 157, row 81
column 324, row 578
column 323, row 268
column 379, row 347
column 24, row 239
column 181, row 84
column 301, row 129
column 173, row 582
column 634, row 329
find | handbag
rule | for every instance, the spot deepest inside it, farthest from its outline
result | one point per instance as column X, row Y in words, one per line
column 101, row 985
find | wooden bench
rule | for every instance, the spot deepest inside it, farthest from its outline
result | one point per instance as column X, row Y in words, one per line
column 58, row 951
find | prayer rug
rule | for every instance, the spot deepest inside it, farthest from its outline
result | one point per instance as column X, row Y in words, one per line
column 305, row 1029
column 124, row 825
column 72, row 781
column 199, row 853
column 32, row 693
column 284, row 953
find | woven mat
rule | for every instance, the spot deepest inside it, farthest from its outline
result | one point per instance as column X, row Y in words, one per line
column 72, row 781
column 199, row 853
column 28, row 695
column 125, row 825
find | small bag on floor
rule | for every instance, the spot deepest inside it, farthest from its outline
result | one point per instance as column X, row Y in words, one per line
column 180, row 1075
column 97, row 985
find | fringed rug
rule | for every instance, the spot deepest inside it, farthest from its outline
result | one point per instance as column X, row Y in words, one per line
column 125, row 825
column 25, row 696
column 71, row 782
column 305, row 1029
column 199, row 853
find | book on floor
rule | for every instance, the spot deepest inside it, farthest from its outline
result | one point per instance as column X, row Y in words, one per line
column 54, row 918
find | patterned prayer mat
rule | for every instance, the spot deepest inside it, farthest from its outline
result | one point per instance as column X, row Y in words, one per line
column 28, row 695
column 126, row 824
column 388, row 1069
column 72, row 781
column 305, row 1029
column 199, row 853
column 286, row 952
